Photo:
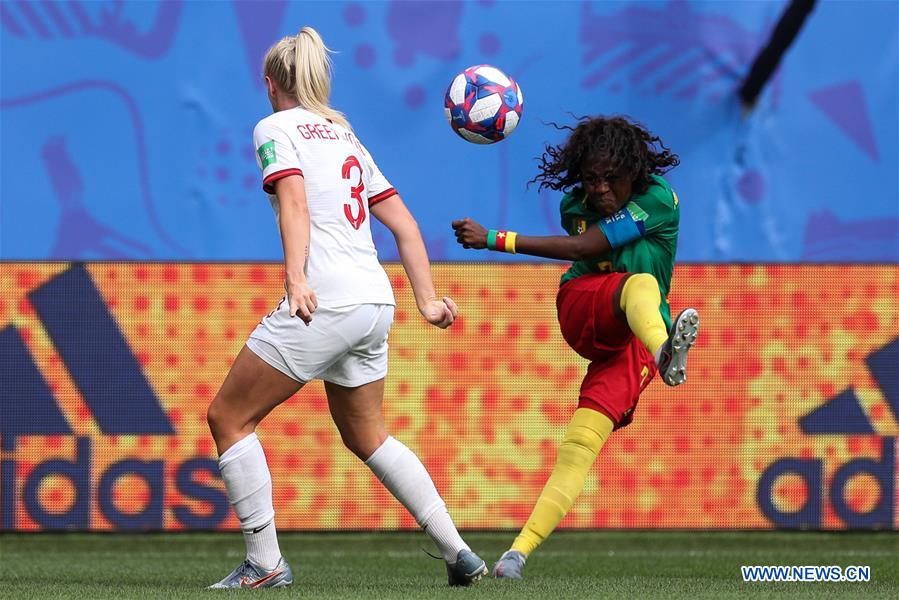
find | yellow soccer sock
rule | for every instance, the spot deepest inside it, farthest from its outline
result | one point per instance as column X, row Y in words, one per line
column 587, row 432
column 640, row 300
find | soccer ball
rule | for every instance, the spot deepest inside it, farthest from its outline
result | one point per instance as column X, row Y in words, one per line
column 483, row 104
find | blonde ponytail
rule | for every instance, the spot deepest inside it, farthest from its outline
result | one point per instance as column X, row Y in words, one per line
column 301, row 64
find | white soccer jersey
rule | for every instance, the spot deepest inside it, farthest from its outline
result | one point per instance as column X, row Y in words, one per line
column 342, row 184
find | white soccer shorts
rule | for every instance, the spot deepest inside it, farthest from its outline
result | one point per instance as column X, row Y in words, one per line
column 346, row 345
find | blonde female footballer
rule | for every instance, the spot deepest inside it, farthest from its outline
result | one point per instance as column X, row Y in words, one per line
column 334, row 319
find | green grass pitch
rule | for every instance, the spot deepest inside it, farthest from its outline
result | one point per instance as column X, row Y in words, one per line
column 607, row 564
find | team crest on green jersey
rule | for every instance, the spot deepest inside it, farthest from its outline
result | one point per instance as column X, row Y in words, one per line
column 267, row 154
column 581, row 226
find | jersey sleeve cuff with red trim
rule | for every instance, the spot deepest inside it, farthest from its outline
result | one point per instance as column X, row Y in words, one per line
column 268, row 184
column 381, row 196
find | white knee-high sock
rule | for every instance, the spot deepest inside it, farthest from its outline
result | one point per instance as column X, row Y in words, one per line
column 397, row 467
column 249, row 486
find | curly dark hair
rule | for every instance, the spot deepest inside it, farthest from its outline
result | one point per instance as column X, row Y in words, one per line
column 626, row 145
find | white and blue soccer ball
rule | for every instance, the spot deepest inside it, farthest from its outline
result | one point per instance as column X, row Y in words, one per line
column 483, row 104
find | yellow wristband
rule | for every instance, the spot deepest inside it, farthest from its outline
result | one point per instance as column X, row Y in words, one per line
column 510, row 241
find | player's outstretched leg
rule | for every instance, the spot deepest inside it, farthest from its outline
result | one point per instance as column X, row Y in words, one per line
column 249, row 576
column 357, row 413
column 585, row 436
column 673, row 356
column 403, row 474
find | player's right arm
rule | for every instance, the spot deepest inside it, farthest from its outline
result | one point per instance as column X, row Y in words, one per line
column 593, row 242
column 397, row 218
column 655, row 214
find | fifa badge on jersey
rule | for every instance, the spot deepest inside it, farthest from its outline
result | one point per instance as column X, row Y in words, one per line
column 637, row 214
column 267, row 154
column 581, row 226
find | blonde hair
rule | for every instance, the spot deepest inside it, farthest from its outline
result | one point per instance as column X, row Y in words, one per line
column 301, row 64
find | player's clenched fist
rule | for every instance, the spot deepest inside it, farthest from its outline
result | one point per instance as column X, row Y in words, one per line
column 470, row 234
column 440, row 313
column 301, row 301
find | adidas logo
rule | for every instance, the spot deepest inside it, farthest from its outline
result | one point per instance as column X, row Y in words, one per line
column 843, row 415
column 114, row 388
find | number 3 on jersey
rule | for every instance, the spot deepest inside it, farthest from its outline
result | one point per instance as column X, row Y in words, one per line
column 355, row 192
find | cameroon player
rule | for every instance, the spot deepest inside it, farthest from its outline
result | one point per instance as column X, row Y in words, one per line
column 622, row 222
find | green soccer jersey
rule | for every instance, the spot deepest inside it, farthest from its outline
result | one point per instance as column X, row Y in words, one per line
column 643, row 235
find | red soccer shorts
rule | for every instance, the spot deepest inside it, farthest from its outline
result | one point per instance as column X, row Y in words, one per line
column 596, row 328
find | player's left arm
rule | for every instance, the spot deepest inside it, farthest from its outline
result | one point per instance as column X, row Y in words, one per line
column 593, row 242
column 293, row 221
column 392, row 212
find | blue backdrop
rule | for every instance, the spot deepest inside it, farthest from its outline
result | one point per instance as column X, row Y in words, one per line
column 126, row 127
